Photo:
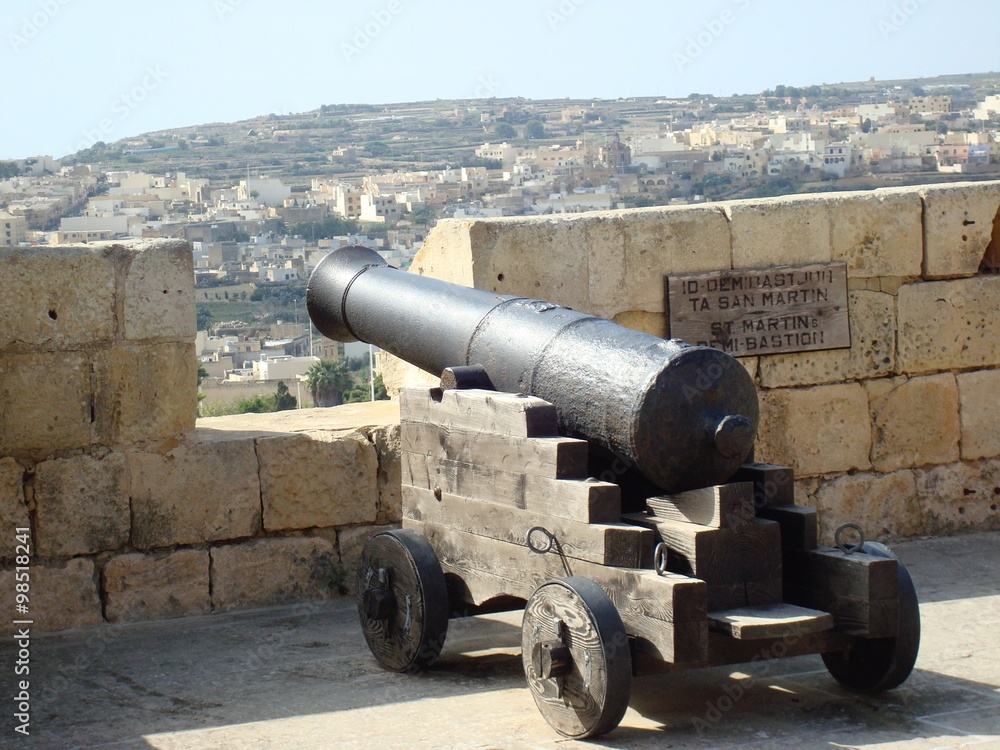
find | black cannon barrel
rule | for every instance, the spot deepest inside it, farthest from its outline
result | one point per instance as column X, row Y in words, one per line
column 684, row 416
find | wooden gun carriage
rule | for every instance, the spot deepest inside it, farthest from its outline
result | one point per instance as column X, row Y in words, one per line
column 601, row 479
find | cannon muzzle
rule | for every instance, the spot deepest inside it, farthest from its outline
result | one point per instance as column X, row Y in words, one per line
column 684, row 416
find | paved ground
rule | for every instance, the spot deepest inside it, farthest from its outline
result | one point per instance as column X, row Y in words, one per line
column 301, row 677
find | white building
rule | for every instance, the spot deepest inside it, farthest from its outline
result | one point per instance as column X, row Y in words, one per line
column 838, row 158
column 12, row 229
column 269, row 190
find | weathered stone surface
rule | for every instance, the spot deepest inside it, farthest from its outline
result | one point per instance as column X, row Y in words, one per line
column 979, row 397
column 884, row 505
column 351, row 542
column 916, row 423
column 783, row 231
column 958, row 225
column 818, row 430
column 387, row 447
column 61, row 596
column 13, row 510
column 145, row 392
column 56, row 297
column 81, row 505
column 872, row 353
column 537, row 257
column 152, row 587
column 317, row 479
column 274, row 571
column 664, row 241
column 159, row 291
column 877, row 233
column 447, row 253
column 946, row 325
column 655, row 324
column 960, row 497
column 46, row 403
column 198, row 492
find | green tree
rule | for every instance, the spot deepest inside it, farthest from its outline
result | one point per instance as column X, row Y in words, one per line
column 327, row 380
column 534, row 129
column 283, row 400
column 378, row 148
column 505, row 130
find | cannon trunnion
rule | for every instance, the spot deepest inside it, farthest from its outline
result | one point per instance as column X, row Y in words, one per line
column 500, row 508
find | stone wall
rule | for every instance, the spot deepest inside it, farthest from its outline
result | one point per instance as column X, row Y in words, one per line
column 900, row 432
column 134, row 510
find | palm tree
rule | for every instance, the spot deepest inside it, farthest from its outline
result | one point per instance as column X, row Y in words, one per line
column 327, row 380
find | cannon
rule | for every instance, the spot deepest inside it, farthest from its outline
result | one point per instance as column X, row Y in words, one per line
column 707, row 561
column 683, row 416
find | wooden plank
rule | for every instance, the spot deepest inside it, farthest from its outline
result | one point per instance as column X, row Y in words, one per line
column 619, row 544
column 587, row 501
column 487, row 411
column 722, row 506
column 857, row 575
column 799, row 526
column 874, row 618
column 747, row 312
column 651, row 606
column 746, row 594
column 772, row 485
column 768, row 621
column 719, row 556
column 552, row 457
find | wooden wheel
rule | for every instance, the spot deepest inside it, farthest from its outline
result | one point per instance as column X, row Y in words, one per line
column 872, row 664
column 402, row 600
column 576, row 657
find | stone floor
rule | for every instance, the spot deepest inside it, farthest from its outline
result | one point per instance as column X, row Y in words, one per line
column 301, row 677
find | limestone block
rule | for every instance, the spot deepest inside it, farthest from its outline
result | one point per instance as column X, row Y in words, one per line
column 145, row 392
column 958, row 226
column 198, row 492
column 872, row 353
column 61, row 596
column 387, row 447
column 884, row 505
column 81, row 505
column 819, row 430
column 960, row 497
column 877, row 233
column 56, row 297
column 159, row 291
column 351, row 542
column 655, row 324
column 274, row 571
column 546, row 258
column 13, row 510
column 945, row 325
column 916, row 423
column 790, row 230
column 979, row 397
column 153, row 587
column 46, row 403
column 663, row 241
column 447, row 253
column 317, row 479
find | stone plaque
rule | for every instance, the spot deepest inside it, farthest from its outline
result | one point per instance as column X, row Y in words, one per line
column 750, row 312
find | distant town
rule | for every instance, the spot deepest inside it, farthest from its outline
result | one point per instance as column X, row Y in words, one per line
column 264, row 200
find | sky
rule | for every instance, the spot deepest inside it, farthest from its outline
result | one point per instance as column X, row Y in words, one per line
column 79, row 71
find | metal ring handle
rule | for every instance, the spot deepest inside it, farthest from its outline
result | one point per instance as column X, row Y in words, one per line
column 849, row 549
column 660, row 558
column 549, row 536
